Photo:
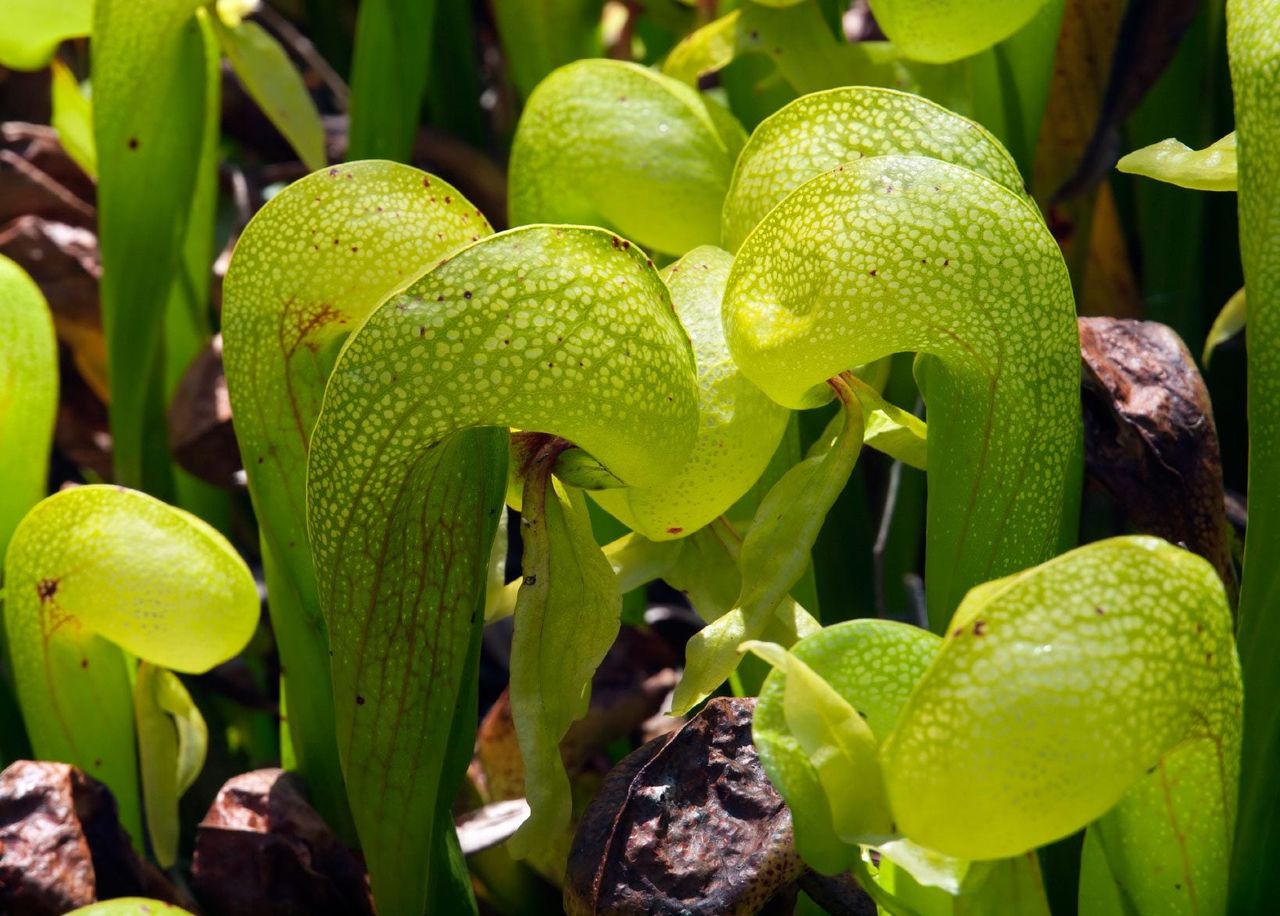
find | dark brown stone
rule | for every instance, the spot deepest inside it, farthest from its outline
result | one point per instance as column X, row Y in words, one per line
column 263, row 849
column 62, row 846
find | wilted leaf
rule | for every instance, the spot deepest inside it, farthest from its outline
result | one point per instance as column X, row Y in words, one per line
column 688, row 823
column 38, row 178
column 1150, row 33
column 1150, row 439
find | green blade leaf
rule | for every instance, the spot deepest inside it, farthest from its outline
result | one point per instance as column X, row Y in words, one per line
column 574, row 157
column 557, row 329
column 893, row 253
column 276, row 86
column 1210, row 169
column 34, row 29
column 96, row 570
column 537, row 38
column 73, row 119
column 818, row 132
column 310, row 266
column 1056, row 690
column 567, row 617
column 172, row 742
column 1253, row 45
column 1230, row 322
column 149, row 99
column 873, row 665
column 795, row 37
column 940, row 31
column 392, row 60
column 740, row 426
column 28, row 395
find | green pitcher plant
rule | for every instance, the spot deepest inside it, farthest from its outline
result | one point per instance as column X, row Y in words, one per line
column 398, row 371
column 1100, row 689
column 107, row 593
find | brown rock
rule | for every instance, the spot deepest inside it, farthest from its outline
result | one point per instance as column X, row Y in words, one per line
column 263, row 849
column 686, row 824
column 62, row 846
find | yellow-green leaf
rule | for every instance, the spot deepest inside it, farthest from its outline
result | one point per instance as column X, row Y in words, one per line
column 73, row 119
column 609, row 143
column 1253, row 48
column 130, row 906
column 567, row 617
column 940, row 31
column 838, row 744
column 33, row 29
column 150, row 98
column 1230, row 322
column 172, row 742
column 775, row 554
column 1210, row 169
column 1056, row 690
column 28, row 395
column 739, row 427
column 276, row 86
column 819, row 132
column 873, row 665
